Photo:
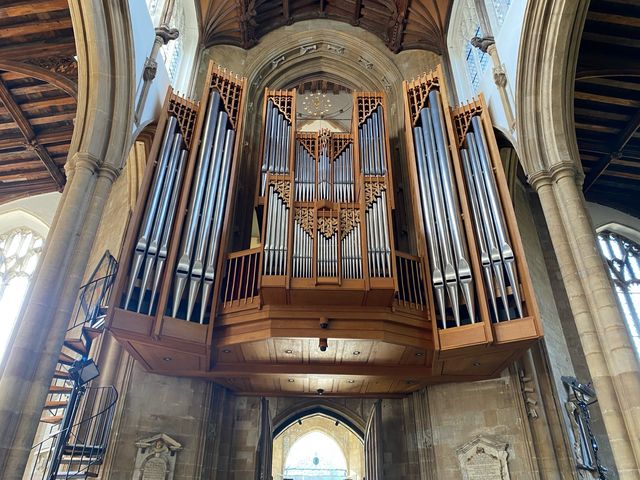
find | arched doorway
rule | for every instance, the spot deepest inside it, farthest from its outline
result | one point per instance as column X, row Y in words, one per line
column 318, row 446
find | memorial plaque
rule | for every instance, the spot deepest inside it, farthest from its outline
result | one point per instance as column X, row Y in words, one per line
column 156, row 458
column 483, row 459
column 154, row 469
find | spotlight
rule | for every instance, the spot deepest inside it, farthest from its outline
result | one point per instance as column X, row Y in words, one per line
column 83, row 371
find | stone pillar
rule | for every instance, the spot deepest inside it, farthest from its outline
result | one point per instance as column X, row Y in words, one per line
column 605, row 341
column 43, row 326
column 102, row 136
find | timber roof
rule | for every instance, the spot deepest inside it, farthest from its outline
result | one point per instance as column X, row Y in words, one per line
column 38, row 85
column 607, row 104
column 401, row 24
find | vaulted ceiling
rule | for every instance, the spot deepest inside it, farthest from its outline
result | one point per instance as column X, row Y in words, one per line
column 38, row 88
column 401, row 24
column 607, row 104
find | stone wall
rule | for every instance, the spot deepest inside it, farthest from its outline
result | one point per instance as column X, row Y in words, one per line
column 151, row 404
column 460, row 412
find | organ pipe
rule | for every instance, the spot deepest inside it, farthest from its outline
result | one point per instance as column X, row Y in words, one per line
column 455, row 179
column 174, row 263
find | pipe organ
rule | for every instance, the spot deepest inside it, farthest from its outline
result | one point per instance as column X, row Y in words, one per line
column 324, row 301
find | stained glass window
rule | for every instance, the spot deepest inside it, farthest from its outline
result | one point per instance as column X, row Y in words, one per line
column 20, row 250
column 623, row 257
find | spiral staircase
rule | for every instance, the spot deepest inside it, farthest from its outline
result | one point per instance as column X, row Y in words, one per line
column 78, row 416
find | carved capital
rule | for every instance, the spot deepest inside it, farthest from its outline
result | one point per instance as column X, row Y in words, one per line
column 167, row 34
column 109, row 171
column 85, row 160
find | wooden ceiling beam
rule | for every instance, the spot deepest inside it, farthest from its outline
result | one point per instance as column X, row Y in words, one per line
column 30, row 136
column 27, row 7
column 29, row 28
column 397, row 22
column 357, row 11
column 624, row 20
column 608, row 99
column 615, row 151
column 23, row 51
column 611, row 39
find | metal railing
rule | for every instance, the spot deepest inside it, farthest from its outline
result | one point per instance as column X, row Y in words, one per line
column 85, row 441
column 94, row 295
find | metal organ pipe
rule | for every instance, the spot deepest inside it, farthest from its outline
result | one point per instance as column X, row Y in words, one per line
column 218, row 216
column 437, row 277
column 277, row 132
column 158, row 223
column 152, row 205
column 443, row 237
column 204, row 230
column 481, row 233
column 451, row 201
column 501, row 227
column 164, row 243
column 189, row 234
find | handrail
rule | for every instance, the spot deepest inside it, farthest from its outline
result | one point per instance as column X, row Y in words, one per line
column 91, row 305
column 90, row 438
column 242, row 253
column 241, row 274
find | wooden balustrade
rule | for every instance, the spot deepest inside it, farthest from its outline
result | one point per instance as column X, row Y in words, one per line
column 240, row 283
column 411, row 291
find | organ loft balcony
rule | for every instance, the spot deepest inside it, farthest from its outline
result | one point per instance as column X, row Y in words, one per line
column 323, row 300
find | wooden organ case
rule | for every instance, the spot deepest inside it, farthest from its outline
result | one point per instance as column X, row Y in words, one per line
column 324, row 303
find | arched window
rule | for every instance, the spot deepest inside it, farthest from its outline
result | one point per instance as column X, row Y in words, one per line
column 623, row 258
column 465, row 25
column 20, row 250
column 178, row 55
column 315, row 456
column 497, row 10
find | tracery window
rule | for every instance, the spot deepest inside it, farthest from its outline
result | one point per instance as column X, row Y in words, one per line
column 498, row 10
column 467, row 27
column 20, row 250
column 623, row 258
column 174, row 51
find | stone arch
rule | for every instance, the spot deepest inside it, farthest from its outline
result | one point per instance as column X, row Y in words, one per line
column 333, row 410
column 346, row 54
column 101, row 139
column 22, row 218
column 544, row 95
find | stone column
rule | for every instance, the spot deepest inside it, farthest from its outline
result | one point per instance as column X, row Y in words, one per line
column 102, row 136
column 605, row 341
column 44, row 332
column 33, row 326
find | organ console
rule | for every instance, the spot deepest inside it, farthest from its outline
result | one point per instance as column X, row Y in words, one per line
column 326, row 270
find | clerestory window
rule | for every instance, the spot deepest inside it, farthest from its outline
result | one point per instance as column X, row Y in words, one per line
column 623, row 258
column 177, row 54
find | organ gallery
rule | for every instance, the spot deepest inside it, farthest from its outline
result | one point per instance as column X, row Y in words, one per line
column 326, row 285
column 319, row 240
